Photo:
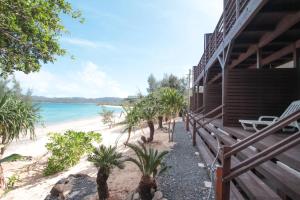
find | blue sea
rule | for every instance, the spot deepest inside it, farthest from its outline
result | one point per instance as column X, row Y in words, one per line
column 52, row 113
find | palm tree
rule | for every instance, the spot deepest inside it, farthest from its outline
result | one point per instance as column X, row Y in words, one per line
column 105, row 159
column 149, row 161
column 132, row 119
column 148, row 110
column 173, row 102
column 18, row 116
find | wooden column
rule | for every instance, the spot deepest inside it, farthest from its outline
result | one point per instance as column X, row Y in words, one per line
column 194, row 132
column 258, row 58
column 226, row 164
column 187, row 125
column 296, row 58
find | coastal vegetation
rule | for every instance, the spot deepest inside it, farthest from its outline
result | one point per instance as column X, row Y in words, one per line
column 29, row 33
column 105, row 159
column 67, row 149
column 18, row 116
column 107, row 116
column 150, row 163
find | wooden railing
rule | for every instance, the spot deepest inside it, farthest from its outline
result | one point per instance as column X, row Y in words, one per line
column 226, row 173
column 231, row 12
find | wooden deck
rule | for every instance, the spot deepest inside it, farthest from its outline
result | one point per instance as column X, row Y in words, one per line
column 278, row 178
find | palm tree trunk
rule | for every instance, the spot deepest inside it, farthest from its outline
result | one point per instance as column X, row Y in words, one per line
column 151, row 128
column 129, row 133
column 2, row 149
column 169, row 130
column 146, row 184
column 173, row 129
column 102, row 186
column 160, row 122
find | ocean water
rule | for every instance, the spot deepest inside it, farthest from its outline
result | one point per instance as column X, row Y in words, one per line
column 52, row 113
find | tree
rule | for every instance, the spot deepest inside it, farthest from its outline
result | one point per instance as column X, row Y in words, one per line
column 173, row 81
column 105, row 159
column 152, row 84
column 148, row 110
column 172, row 103
column 132, row 119
column 18, row 115
column 29, row 33
column 107, row 116
column 148, row 161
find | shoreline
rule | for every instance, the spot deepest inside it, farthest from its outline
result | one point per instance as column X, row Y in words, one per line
column 36, row 147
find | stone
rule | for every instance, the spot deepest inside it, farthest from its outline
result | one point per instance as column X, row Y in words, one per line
column 136, row 196
column 130, row 196
column 74, row 187
column 158, row 195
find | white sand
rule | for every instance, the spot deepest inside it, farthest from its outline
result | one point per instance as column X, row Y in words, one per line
column 33, row 186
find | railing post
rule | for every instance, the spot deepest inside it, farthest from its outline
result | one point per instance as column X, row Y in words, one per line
column 225, row 186
column 219, row 177
column 187, row 122
column 194, row 132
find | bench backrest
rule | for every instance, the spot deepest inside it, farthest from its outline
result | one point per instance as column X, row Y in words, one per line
column 293, row 107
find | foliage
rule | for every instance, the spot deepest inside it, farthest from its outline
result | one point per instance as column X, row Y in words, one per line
column 18, row 114
column 29, row 33
column 12, row 180
column 152, row 83
column 67, row 149
column 132, row 119
column 148, row 160
column 14, row 157
column 174, row 82
column 106, row 157
column 148, row 107
column 107, row 116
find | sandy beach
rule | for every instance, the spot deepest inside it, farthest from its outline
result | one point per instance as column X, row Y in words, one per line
column 34, row 186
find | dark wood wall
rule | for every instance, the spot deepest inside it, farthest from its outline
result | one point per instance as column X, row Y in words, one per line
column 250, row 93
column 200, row 100
column 212, row 96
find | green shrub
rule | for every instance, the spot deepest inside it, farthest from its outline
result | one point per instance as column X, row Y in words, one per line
column 12, row 180
column 67, row 149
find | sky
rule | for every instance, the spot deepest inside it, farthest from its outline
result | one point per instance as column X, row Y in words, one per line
column 121, row 43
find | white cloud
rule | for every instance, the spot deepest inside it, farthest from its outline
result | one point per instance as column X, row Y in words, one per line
column 89, row 81
column 88, row 43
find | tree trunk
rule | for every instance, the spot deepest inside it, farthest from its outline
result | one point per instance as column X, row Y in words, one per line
column 151, row 128
column 146, row 184
column 160, row 122
column 173, row 129
column 2, row 180
column 129, row 133
column 102, row 186
column 169, row 130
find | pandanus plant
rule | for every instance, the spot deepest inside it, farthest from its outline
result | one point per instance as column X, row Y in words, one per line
column 132, row 119
column 150, row 163
column 105, row 159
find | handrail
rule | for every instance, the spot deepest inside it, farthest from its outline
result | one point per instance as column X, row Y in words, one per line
column 232, row 11
column 210, row 112
column 281, row 123
column 263, row 156
column 226, row 173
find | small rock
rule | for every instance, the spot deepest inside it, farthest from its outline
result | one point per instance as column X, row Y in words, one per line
column 152, row 191
column 158, row 195
column 136, row 196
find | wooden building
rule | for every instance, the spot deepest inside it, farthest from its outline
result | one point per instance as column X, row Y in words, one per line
column 250, row 68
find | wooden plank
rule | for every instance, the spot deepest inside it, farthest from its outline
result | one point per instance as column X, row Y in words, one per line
column 251, row 184
column 209, row 158
column 280, row 178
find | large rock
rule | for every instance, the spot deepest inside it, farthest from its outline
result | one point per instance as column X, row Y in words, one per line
column 74, row 187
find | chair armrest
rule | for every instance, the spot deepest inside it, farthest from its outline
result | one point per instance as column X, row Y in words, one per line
column 268, row 118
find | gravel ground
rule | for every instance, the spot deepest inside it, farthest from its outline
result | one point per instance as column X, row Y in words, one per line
column 185, row 179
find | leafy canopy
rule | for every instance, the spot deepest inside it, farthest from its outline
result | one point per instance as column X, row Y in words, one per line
column 149, row 161
column 29, row 33
column 18, row 114
column 67, row 149
column 106, row 158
